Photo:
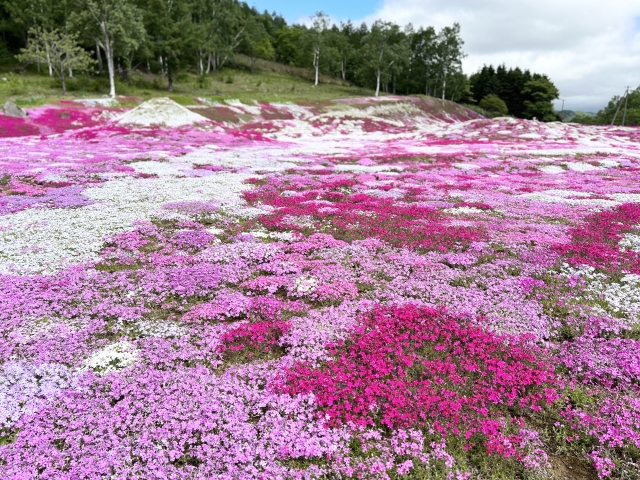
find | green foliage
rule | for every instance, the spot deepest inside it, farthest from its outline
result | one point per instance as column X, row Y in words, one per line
column 165, row 37
column 113, row 26
column 59, row 50
column 5, row 55
column 384, row 50
column 632, row 117
column 203, row 82
column 287, row 41
column 494, row 104
column 256, row 42
column 539, row 93
column 526, row 95
column 16, row 84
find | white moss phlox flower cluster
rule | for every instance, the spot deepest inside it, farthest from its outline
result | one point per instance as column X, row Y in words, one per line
column 111, row 358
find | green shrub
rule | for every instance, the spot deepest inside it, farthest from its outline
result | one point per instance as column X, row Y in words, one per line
column 203, row 82
column 493, row 103
column 16, row 84
column 182, row 77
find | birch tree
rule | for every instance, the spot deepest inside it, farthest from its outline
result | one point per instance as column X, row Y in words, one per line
column 343, row 48
column 449, row 53
column 318, row 30
column 382, row 48
column 219, row 29
column 60, row 49
column 44, row 15
column 424, row 52
column 112, row 25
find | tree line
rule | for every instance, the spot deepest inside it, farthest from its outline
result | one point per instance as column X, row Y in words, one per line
column 520, row 93
column 165, row 37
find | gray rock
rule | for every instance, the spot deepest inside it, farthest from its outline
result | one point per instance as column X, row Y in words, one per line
column 13, row 110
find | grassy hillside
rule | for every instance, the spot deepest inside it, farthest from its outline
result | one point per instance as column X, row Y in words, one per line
column 270, row 81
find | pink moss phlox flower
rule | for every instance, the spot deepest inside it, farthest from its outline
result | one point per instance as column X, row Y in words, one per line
column 406, row 366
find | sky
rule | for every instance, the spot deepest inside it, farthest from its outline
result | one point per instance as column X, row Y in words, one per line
column 589, row 48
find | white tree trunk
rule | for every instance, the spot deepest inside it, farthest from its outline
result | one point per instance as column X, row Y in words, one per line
column 426, row 84
column 112, row 82
column 444, row 83
column 316, row 64
column 99, row 55
column 107, row 45
column 49, row 63
column 377, row 82
column 70, row 72
column 344, row 71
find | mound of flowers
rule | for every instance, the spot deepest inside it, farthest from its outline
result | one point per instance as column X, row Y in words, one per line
column 409, row 366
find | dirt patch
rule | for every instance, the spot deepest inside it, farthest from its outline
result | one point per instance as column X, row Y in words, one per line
column 565, row 468
column 223, row 115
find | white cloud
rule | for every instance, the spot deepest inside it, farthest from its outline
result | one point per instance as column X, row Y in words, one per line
column 589, row 48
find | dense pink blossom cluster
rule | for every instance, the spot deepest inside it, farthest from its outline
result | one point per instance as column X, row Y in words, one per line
column 321, row 206
column 597, row 241
column 408, row 366
column 378, row 288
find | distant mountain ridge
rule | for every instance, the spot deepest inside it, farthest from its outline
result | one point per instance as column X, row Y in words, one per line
column 568, row 115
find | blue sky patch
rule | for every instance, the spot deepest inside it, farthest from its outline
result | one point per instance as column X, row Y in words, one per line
column 294, row 11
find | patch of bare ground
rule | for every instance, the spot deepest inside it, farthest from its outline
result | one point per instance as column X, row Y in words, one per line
column 571, row 468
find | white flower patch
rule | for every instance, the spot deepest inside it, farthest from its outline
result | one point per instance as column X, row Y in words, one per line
column 564, row 196
column 552, row 169
column 581, row 166
column 623, row 298
column 158, row 329
column 111, row 358
column 47, row 240
column 303, row 221
column 466, row 166
column 162, row 169
column 368, row 168
column 393, row 193
column 464, row 210
column 625, row 197
column 609, row 163
column 54, row 177
column 282, row 236
column 567, row 193
column 305, row 284
column 630, row 242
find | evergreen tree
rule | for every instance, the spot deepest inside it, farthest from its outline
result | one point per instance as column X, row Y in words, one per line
column 172, row 29
column 539, row 92
column 522, row 98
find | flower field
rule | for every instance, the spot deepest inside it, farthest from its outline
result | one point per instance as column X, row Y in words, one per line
column 374, row 288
